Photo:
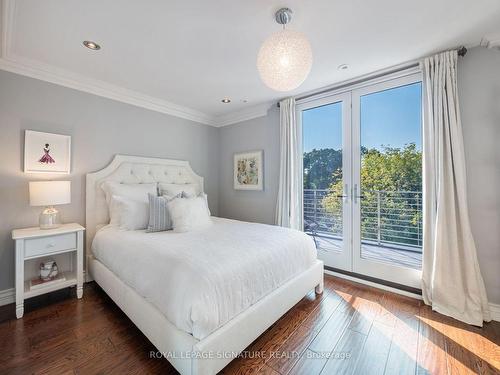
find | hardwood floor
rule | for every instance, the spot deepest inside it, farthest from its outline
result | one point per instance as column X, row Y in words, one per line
column 349, row 329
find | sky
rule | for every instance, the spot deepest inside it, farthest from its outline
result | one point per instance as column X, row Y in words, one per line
column 390, row 118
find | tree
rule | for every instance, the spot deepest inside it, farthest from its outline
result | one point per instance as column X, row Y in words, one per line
column 320, row 166
column 391, row 181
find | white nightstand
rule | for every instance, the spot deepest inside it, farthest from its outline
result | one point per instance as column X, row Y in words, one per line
column 34, row 245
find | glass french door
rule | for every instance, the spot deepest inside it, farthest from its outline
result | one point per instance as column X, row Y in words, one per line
column 327, row 170
column 362, row 163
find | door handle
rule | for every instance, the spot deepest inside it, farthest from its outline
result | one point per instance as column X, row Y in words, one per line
column 345, row 196
column 355, row 194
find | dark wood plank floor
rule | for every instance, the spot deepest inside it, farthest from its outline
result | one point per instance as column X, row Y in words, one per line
column 350, row 329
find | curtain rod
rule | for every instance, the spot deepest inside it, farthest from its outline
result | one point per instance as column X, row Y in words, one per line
column 462, row 51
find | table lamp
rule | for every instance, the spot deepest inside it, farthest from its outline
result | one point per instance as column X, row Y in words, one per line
column 49, row 194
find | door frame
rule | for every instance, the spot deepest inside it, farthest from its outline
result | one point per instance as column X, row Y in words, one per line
column 350, row 260
column 341, row 260
column 381, row 270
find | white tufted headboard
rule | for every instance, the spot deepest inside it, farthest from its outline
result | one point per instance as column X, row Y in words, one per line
column 130, row 169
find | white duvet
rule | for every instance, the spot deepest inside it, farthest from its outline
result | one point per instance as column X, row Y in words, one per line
column 200, row 280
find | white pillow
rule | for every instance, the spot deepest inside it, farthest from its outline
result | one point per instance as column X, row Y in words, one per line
column 172, row 190
column 137, row 192
column 189, row 214
column 129, row 214
column 188, row 195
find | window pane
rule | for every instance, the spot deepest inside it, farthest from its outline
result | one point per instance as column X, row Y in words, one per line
column 391, row 175
column 322, row 145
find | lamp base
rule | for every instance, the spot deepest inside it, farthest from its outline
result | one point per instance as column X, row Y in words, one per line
column 49, row 218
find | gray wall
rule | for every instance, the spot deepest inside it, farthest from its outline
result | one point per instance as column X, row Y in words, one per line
column 102, row 128
column 256, row 134
column 99, row 128
column 479, row 90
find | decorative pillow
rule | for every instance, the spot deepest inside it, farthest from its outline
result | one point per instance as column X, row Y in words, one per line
column 129, row 214
column 188, row 195
column 173, row 189
column 137, row 192
column 159, row 216
column 189, row 214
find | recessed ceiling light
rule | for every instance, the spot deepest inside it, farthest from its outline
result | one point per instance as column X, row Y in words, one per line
column 91, row 45
column 343, row 67
column 226, row 100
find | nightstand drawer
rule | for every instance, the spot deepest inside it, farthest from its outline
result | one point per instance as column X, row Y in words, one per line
column 47, row 245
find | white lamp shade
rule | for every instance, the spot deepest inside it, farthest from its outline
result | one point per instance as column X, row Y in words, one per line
column 50, row 193
column 284, row 60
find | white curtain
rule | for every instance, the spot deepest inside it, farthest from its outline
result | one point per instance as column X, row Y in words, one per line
column 288, row 208
column 451, row 279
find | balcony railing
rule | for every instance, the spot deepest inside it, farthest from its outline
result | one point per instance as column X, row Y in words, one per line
column 388, row 218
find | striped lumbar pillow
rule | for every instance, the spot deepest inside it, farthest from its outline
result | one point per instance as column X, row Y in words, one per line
column 159, row 216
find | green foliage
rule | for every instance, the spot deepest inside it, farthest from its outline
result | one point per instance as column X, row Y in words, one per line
column 391, row 182
column 320, row 166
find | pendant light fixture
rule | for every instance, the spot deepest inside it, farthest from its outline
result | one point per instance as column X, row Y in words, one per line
column 285, row 58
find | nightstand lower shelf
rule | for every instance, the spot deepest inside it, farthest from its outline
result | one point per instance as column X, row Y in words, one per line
column 70, row 280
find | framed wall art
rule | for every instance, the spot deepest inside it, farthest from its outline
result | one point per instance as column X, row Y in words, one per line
column 248, row 170
column 46, row 152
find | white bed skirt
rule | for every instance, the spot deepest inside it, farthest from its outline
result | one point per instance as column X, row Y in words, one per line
column 210, row 355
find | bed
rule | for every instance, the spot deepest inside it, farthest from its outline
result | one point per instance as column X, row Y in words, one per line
column 207, row 295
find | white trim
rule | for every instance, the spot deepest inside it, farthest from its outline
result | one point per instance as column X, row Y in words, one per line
column 51, row 74
column 48, row 73
column 375, row 285
column 381, row 270
column 7, row 296
column 382, row 75
column 491, row 41
column 13, row 63
column 494, row 308
column 243, row 115
column 7, row 20
column 341, row 259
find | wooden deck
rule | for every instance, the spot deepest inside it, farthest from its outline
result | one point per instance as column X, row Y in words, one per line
column 385, row 254
column 349, row 329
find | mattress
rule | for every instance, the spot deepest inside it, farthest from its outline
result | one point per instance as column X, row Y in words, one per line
column 202, row 279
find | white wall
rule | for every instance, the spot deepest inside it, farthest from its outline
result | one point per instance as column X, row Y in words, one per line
column 479, row 90
column 100, row 128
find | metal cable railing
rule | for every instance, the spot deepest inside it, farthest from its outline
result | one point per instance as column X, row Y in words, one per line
column 388, row 218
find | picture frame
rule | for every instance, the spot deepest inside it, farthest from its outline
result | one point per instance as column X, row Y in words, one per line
column 46, row 152
column 248, row 170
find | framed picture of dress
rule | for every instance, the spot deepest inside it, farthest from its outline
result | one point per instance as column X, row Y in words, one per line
column 46, row 152
column 248, row 171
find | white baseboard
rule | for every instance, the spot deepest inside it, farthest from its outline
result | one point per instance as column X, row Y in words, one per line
column 7, row 296
column 375, row 285
column 494, row 308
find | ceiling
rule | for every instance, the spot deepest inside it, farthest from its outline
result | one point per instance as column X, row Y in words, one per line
column 183, row 57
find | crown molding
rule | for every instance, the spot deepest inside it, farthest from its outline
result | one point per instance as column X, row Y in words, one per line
column 38, row 70
column 13, row 63
column 48, row 73
column 491, row 41
column 243, row 115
